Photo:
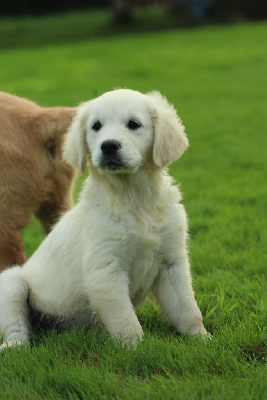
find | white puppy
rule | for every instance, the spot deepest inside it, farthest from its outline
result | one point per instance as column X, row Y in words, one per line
column 125, row 237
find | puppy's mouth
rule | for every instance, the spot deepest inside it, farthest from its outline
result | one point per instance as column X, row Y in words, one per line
column 112, row 163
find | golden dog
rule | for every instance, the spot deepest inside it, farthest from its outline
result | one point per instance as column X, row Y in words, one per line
column 33, row 178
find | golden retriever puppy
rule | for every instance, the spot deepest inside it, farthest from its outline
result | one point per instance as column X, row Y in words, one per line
column 33, row 178
column 125, row 237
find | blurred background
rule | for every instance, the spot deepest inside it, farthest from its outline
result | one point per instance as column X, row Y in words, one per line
column 31, row 23
column 189, row 11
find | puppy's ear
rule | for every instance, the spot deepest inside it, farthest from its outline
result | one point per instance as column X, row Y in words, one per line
column 53, row 122
column 75, row 147
column 170, row 140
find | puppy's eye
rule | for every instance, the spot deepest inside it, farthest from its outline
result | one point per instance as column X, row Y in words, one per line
column 133, row 124
column 96, row 126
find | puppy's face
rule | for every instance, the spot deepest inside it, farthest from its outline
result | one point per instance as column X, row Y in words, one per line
column 119, row 132
column 123, row 130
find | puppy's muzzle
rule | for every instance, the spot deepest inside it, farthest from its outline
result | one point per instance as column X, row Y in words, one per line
column 111, row 158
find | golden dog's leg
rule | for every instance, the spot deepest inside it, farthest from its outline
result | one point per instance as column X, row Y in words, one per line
column 48, row 215
column 11, row 250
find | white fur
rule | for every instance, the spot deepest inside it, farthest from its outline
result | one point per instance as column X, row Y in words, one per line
column 125, row 237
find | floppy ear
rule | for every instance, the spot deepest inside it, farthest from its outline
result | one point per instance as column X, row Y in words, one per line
column 52, row 122
column 170, row 140
column 75, row 147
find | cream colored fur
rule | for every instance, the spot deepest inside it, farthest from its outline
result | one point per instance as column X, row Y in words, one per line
column 125, row 237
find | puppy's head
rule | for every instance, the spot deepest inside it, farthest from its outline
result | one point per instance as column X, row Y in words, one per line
column 123, row 130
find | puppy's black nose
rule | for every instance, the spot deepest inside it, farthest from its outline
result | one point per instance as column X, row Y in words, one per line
column 110, row 147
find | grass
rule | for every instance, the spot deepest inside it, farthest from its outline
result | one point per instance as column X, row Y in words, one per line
column 216, row 77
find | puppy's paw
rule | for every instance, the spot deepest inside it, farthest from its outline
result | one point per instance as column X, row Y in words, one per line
column 131, row 338
column 200, row 332
column 12, row 344
column 133, row 342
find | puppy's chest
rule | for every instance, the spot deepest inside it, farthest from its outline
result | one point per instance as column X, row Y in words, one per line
column 139, row 254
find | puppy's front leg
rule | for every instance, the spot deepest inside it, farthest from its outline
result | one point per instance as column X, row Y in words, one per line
column 108, row 293
column 174, row 292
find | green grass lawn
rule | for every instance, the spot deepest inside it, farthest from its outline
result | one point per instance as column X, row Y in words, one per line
column 216, row 78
